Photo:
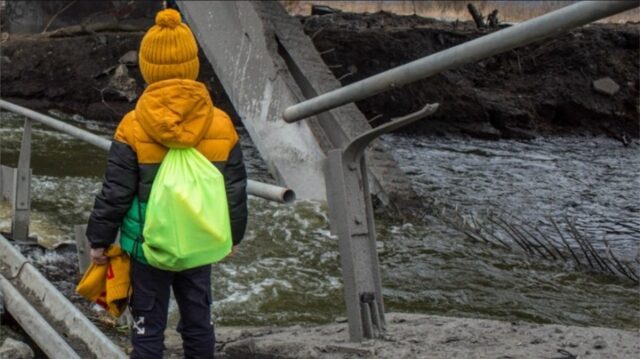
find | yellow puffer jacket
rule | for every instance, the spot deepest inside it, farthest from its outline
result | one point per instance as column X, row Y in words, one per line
column 177, row 114
column 174, row 113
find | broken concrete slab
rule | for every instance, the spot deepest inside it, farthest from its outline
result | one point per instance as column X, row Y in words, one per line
column 123, row 84
column 606, row 86
column 130, row 58
column 13, row 349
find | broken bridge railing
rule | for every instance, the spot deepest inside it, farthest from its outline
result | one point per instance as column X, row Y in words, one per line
column 348, row 192
column 15, row 183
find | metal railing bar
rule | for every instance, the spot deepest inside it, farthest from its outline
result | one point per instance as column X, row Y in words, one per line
column 70, row 130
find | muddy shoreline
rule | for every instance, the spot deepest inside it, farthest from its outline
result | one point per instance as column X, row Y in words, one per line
column 545, row 88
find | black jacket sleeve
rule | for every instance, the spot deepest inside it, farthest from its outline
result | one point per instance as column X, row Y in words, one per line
column 119, row 187
column 235, row 177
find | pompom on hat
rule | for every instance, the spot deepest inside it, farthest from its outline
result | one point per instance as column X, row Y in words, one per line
column 168, row 50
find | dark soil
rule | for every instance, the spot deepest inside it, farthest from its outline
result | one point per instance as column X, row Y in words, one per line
column 72, row 74
column 543, row 88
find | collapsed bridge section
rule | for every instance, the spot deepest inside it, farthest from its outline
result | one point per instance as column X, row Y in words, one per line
column 266, row 63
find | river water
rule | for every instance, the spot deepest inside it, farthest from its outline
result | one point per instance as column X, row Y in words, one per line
column 287, row 270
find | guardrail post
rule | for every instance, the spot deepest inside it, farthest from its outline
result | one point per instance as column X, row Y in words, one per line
column 351, row 216
column 6, row 182
column 21, row 203
column 82, row 247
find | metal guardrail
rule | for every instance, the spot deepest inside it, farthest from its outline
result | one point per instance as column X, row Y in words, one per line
column 521, row 34
column 50, row 306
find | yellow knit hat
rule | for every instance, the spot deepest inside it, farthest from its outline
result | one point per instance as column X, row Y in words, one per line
column 168, row 50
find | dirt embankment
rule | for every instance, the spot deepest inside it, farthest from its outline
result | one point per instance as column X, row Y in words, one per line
column 81, row 74
column 543, row 88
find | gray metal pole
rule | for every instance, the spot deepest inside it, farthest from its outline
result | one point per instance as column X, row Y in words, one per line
column 21, row 202
column 549, row 24
column 73, row 131
column 255, row 188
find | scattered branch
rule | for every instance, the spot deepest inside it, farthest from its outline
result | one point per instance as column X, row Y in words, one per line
column 477, row 16
column 55, row 16
column 92, row 28
column 105, row 102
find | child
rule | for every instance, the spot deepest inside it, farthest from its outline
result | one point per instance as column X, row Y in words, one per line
column 174, row 111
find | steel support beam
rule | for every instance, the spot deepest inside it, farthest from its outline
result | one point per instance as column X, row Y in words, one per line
column 351, row 217
column 258, row 189
column 553, row 23
column 21, row 201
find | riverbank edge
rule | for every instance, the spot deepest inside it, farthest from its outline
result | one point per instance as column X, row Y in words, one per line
column 423, row 336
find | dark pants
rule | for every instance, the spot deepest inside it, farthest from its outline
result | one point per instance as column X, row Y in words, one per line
column 150, row 304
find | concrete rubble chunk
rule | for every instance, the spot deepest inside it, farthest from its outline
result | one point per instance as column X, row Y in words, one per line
column 130, row 58
column 123, row 83
column 13, row 349
column 606, row 86
column 599, row 343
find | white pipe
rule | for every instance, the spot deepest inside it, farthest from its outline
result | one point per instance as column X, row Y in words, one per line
column 526, row 32
column 275, row 193
column 258, row 189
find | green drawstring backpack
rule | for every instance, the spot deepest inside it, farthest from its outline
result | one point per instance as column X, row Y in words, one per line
column 186, row 223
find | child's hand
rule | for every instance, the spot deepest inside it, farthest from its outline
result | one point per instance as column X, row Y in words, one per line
column 97, row 256
column 234, row 250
